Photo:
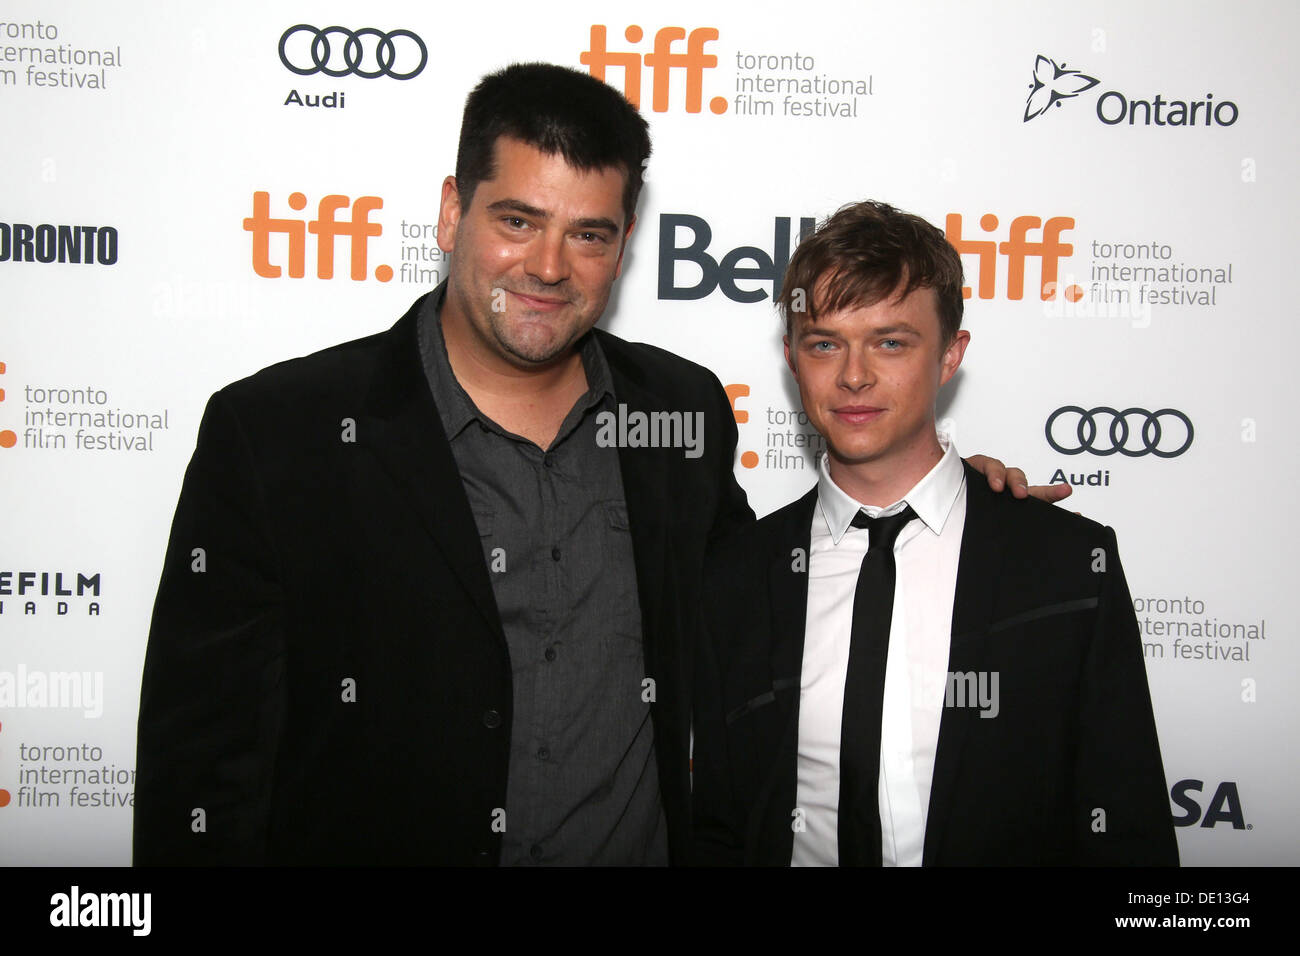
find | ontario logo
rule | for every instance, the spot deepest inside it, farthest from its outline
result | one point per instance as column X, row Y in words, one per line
column 661, row 60
column 1052, row 84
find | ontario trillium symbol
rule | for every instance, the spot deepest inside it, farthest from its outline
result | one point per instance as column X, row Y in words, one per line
column 1053, row 83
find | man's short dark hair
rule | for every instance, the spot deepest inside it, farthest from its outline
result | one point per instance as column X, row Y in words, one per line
column 861, row 255
column 556, row 110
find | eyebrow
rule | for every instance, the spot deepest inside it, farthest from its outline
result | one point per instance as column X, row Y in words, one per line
column 817, row 330
column 518, row 205
column 901, row 328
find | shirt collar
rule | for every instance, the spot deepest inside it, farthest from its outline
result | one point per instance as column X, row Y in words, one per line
column 931, row 498
column 455, row 407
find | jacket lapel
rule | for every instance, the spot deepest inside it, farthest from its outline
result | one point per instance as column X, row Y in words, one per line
column 787, row 579
column 401, row 426
column 978, row 571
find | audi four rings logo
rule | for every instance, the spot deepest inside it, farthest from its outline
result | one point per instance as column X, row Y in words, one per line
column 1164, row 441
column 380, row 60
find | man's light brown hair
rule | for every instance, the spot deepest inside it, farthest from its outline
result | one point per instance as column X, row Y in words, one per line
column 862, row 255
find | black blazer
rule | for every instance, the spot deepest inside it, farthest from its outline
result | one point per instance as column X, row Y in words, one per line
column 327, row 680
column 1075, row 732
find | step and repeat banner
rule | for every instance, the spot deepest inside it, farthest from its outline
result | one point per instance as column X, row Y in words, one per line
column 194, row 192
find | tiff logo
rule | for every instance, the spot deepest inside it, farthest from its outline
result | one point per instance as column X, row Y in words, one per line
column 1018, row 248
column 325, row 227
column 662, row 61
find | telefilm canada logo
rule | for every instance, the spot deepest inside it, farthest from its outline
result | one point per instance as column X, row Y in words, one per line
column 337, row 52
column 1054, row 84
column 31, row 593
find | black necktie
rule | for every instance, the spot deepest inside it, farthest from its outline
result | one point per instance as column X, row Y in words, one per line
column 864, row 692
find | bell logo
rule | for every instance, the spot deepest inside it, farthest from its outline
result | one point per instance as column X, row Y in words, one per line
column 662, row 61
column 325, row 227
column 1017, row 248
column 743, row 263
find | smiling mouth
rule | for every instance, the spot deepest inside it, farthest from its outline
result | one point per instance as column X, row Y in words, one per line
column 857, row 414
column 536, row 303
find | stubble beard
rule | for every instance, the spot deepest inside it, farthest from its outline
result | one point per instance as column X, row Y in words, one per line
column 525, row 349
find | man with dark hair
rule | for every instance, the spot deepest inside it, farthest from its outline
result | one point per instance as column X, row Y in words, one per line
column 415, row 608
column 589, row 124
column 904, row 668
column 439, row 621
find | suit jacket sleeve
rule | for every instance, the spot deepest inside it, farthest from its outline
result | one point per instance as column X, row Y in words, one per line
column 733, row 513
column 212, row 695
column 716, row 824
column 716, row 840
column 1117, row 767
column 717, row 831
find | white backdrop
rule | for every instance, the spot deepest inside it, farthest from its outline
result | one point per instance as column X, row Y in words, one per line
column 161, row 123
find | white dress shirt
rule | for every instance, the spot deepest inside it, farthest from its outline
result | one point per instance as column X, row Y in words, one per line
column 926, row 555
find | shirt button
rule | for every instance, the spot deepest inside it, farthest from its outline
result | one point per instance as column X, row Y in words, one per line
column 491, row 719
column 548, row 461
column 550, row 654
column 535, row 851
column 555, row 553
column 543, row 753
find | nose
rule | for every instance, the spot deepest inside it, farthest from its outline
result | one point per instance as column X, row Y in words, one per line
column 856, row 371
column 548, row 259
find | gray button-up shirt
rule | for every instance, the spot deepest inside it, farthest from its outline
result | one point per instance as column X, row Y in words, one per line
column 583, row 784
